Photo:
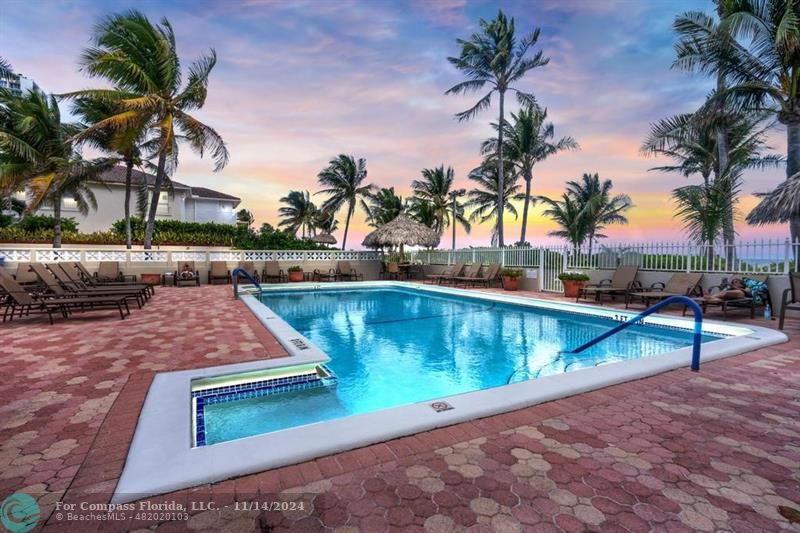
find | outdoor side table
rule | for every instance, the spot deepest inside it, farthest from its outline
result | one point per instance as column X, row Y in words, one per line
column 167, row 278
column 151, row 279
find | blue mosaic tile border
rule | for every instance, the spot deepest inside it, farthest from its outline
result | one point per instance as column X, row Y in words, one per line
column 253, row 389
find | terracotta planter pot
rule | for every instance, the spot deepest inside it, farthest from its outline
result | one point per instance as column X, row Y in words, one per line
column 572, row 288
column 510, row 284
column 296, row 277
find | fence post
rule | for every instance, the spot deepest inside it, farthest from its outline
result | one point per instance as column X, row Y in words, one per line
column 473, row 256
column 564, row 256
column 503, row 257
column 541, row 269
column 688, row 259
column 787, row 255
column 449, row 257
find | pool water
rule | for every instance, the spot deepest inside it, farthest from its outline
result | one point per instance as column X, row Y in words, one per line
column 394, row 346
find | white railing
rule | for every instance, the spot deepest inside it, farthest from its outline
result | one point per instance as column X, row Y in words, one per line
column 746, row 257
column 20, row 254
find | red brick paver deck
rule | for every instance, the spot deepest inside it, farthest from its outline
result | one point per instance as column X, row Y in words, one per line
column 719, row 450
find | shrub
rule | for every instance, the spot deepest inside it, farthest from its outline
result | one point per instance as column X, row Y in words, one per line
column 295, row 268
column 33, row 223
column 511, row 273
column 573, row 276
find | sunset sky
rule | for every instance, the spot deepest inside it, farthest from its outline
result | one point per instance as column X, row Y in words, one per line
column 298, row 82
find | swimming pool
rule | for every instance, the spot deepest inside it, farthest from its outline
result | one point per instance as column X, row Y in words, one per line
column 465, row 344
column 390, row 346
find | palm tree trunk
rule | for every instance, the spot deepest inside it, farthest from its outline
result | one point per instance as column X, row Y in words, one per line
column 792, row 168
column 128, row 176
column 528, row 183
column 57, row 221
column 153, row 209
column 350, row 209
column 500, row 181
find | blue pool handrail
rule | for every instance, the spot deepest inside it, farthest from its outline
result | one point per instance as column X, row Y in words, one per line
column 238, row 271
column 696, row 337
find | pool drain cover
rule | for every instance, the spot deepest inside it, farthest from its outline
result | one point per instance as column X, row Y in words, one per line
column 441, row 406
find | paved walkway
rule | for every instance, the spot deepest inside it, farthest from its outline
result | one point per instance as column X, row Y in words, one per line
column 675, row 452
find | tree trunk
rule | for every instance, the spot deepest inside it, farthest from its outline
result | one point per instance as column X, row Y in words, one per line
column 723, row 158
column 453, row 222
column 128, row 176
column 792, row 168
column 153, row 209
column 57, row 221
column 500, row 180
column 350, row 210
column 528, row 183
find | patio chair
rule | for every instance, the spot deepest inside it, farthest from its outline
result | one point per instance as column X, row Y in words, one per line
column 78, row 302
column 92, row 281
column 273, row 272
column 470, row 274
column 219, row 270
column 393, row 270
column 490, row 274
column 109, row 271
column 748, row 302
column 449, row 272
column 249, row 267
column 345, row 271
column 181, row 281
column 59, row 283
column 25, row 276
column 623, row 280
column 679, row 284
column 18, row 299
column 791, row 297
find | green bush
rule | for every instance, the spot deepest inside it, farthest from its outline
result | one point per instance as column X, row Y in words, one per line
column 511, row 273
column 573, row 276
column 34, row 223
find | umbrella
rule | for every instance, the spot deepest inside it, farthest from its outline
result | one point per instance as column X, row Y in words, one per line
column 324, row 238
column 401, row 231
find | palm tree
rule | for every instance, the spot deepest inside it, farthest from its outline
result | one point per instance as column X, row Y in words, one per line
column 325, row 222
column 423, row 212
column 5, row 68
column 141, row 62
column 705, row 209
column 760, row 64
column 598, row 206
column 436, row 187
column 382, row 206
column 568, row 213
column 127, row 143
column 483, row 198
column 528, row 142
column 693, row 148
column 299, row 213
column 343, row 182
column 495, row 58
column 35, row 150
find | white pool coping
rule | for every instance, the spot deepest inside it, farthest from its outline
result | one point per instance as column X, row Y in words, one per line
column 161, row 457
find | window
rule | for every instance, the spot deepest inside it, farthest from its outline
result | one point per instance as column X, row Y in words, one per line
column 70, row 204
column 163, row 204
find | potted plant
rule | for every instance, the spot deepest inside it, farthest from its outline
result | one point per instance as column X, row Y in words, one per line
column 573, row 283
column 510, row 278
column 295, row 273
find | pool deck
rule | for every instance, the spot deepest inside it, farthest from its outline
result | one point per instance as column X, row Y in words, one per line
column 674, row 452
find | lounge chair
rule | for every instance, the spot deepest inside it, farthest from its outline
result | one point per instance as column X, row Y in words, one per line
column 322, row 275
column 18, row 298
column 680, row 284
column 109, row 271
column 140, row 291
column 92, row 281
column 623, row 280
column 273, row 272
column 61, row 286
column 748, row 302
column 249, row 267
column 490, row 274
column 345, row 271
column 791, row 297
column 449, row 272
column 25, row 276
column 219, row 270
column 193, row 280
column 471, row 273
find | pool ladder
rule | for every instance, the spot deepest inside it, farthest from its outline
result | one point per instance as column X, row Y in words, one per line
column 245, row 274
column 696, row 337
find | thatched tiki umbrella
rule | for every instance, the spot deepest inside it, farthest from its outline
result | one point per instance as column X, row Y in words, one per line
column 401, row 231
column 324, row 238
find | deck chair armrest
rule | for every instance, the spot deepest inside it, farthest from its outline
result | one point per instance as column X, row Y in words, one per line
column 635, row 286
column 658, row 286
column 785, row 297
column 712, row 290
column 694, row 290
